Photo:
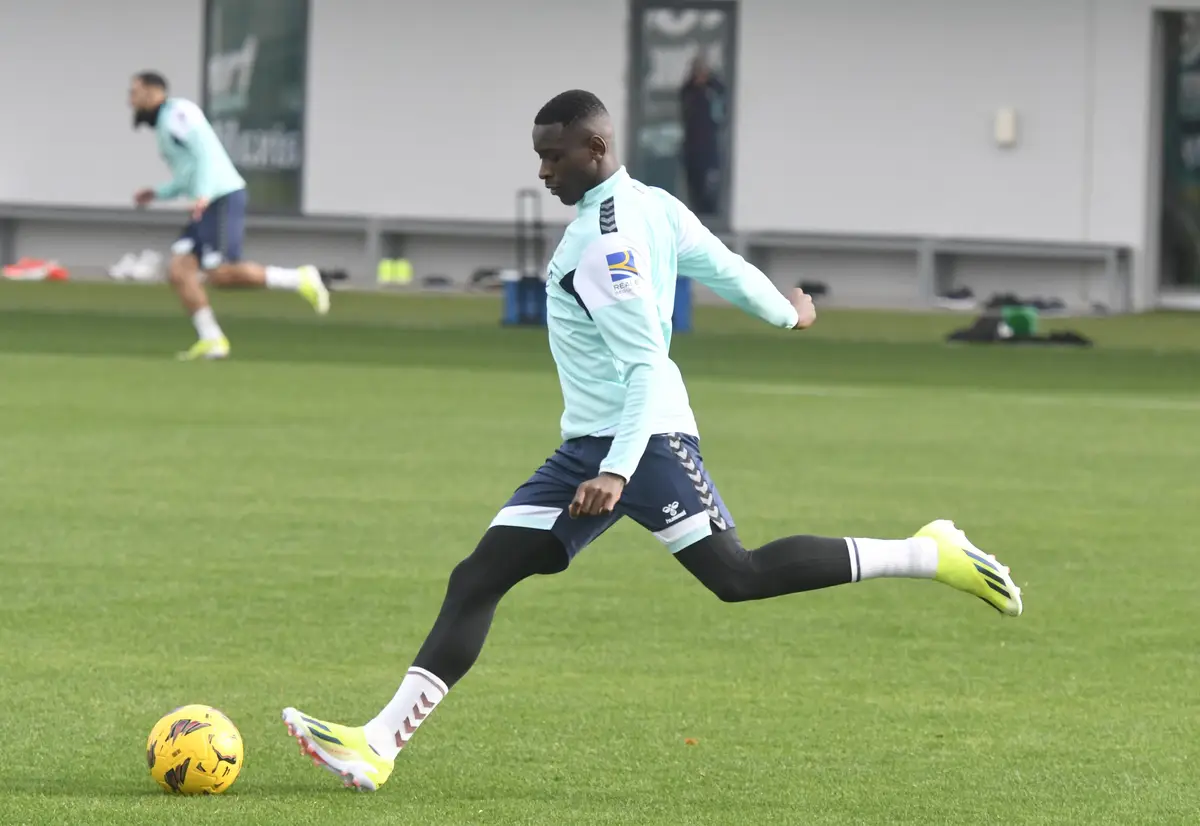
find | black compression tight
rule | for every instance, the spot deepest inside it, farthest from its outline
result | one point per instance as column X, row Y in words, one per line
column 507, row 555
column 504, row 557
column 785, row 566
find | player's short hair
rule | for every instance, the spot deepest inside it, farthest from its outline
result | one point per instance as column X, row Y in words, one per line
column 570, row 107
column 154, row 79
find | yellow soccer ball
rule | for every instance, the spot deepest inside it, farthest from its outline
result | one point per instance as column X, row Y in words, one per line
column 195, row 750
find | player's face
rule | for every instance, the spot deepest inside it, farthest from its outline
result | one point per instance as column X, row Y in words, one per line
column 569, row 161
column 139, row 96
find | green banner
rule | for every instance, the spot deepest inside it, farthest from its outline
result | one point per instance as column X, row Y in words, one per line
column 255, row 58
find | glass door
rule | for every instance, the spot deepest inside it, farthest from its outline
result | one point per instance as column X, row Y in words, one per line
column 683, row 75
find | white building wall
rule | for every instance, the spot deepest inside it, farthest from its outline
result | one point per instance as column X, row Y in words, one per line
column 857, row 116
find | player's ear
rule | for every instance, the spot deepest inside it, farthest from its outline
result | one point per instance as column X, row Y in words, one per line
column 598, row 147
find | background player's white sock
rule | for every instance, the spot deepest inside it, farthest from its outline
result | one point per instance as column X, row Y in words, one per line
column 206, row 324
column 415, row 700
column 282, row 278
column 915, row 558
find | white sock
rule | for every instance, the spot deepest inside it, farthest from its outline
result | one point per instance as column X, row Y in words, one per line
column 915, row 558
column 281, row 278
column 206, row 324
column 415, row 700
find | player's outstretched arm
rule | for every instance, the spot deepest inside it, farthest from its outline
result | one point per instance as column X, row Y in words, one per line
column 168, row 191
column 613, row 284
column 703, row 257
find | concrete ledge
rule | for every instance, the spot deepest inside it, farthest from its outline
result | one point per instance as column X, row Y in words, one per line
column 925, row 266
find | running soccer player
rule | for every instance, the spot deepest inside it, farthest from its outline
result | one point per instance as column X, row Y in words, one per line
column 212, row 240
column 631, row 446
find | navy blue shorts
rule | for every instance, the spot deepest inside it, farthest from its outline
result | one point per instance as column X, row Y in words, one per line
column 670, row 494
column 216, row 237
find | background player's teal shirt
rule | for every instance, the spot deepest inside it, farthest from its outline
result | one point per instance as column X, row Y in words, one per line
column 610, row 298
column 200, row 166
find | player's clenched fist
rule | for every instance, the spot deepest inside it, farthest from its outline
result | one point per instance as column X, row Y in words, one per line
column 597, row 497
column 803, row 303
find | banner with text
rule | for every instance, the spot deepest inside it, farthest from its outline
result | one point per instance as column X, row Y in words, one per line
column 256, row 56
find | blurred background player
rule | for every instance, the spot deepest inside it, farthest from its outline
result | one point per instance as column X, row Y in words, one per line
column 212, row 241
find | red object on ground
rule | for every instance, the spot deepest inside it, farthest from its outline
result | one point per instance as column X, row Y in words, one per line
column 36, row 269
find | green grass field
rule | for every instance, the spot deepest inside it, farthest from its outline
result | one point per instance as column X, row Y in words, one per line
column 276, row 530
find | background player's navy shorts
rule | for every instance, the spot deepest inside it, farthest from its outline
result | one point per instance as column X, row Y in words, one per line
column 670, row 494
column 216, row 238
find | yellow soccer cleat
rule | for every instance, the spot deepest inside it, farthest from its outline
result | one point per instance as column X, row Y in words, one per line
column 206, row 348
column 963, row 566
column 340, row 749
column 313, row 289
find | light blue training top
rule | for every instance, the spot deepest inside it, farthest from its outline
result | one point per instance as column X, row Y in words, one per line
column 610, row 300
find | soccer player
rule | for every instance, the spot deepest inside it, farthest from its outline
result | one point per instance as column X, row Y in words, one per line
column 631, row 446
column 212, row 240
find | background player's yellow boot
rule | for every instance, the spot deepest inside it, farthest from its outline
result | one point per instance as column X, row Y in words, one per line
column 313, row 289
column 206, row 348
column 342, row 750
column 963, row 566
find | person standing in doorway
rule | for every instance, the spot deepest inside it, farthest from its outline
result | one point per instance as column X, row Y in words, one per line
column 702, row 101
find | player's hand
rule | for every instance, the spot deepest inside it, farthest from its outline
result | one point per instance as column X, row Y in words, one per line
column 597, row 497
column 198, row 208
column 803, row 303
column 143, row 197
